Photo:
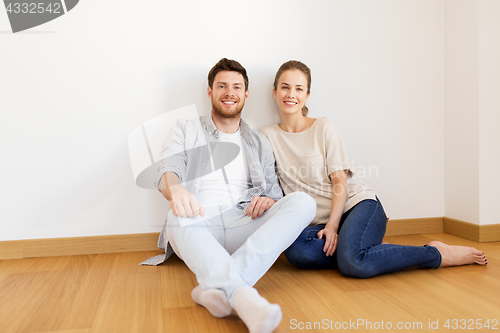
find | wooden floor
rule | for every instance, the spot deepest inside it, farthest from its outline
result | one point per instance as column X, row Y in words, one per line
column 112, row 293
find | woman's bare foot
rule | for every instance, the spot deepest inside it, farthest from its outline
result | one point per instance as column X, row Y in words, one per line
column 453, row 255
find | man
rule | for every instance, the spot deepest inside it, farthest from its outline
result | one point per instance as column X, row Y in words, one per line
column 229, row 225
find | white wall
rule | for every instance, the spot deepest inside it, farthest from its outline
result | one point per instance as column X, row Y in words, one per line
column 73, row 89
column 461, row 109
column 489, row 110
column 471, row 110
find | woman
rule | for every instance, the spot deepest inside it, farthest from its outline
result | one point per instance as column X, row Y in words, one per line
column 350, row 222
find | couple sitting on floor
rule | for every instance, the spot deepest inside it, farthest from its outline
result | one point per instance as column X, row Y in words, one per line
column 229, row 226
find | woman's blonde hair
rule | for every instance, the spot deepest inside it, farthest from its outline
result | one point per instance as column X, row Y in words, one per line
column 294, row 64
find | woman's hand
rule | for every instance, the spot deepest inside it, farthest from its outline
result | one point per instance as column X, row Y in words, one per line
column 331, row 237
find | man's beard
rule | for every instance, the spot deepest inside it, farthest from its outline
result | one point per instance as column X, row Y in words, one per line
column 217, row 109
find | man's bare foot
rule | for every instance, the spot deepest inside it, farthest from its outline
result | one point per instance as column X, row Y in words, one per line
column 453, row 255
column 385, row 243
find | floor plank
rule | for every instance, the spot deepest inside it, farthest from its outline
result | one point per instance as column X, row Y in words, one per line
column 112, row 293
column 21, row 295
column 131, row 303
column 177, row 282
column 126, row 263
column 195, row 319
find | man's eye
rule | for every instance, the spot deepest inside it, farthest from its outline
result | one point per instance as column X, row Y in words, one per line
column 237, row 87
column 221, row 86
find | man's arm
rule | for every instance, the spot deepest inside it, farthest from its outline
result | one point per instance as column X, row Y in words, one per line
column 164, row 188
column 183, row 203
column 173, row 154
column 272, row 192
column 173, row 169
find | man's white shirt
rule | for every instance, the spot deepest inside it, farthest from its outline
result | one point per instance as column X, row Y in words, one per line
column 214, row 191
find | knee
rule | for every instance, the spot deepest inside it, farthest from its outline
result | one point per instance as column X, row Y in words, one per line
column 355, row 266
column 295, row 256
column 303, row 200
column 307, row 251
column 299, row 256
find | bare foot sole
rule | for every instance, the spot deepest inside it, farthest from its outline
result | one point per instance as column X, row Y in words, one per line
column 385, row 243
column 454, row 255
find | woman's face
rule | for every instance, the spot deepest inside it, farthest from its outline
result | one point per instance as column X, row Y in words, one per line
column 291, row 91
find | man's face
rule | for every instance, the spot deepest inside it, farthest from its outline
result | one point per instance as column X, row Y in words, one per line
column 228, row 94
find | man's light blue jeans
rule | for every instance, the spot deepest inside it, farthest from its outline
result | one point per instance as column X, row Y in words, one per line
column 230, row 250
column 360, row 252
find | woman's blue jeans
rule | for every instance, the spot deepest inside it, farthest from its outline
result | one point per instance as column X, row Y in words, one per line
column 360, row 252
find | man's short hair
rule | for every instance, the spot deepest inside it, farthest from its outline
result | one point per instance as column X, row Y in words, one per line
column 227, row 65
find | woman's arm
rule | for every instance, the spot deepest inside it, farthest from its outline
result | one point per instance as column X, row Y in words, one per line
column 339, row 198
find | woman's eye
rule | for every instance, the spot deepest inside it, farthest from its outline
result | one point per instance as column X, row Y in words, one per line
column 299, row 89
column 285, row 88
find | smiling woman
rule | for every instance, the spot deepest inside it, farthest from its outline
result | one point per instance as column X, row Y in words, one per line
column 350, row 222
column 301, row 85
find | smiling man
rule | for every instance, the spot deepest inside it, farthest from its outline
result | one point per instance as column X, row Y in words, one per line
column 230, row 225
column 225, row 105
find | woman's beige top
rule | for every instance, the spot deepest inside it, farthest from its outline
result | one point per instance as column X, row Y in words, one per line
column 306, row 159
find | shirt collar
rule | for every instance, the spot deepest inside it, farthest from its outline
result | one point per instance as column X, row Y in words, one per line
column 212, row 130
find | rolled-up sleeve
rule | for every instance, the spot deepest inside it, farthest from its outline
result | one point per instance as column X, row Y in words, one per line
column 272, row 188
column 173, row 154
column 336, row 157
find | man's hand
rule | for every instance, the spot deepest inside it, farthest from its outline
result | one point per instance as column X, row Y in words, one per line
column 331, row 237
column 184, row 204
column 258, row 206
